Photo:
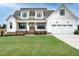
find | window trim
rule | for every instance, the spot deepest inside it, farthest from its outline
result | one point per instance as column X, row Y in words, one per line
column 62, row 12
column 70, row 25
column 36, row 12
column 22, row 23
column 64, row 25
column 53, row 25
column 43, row 24
column 11, row 25
column 24, row 17
column 59, row 25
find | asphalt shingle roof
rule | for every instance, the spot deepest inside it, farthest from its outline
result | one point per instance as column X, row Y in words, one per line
column 47, row 12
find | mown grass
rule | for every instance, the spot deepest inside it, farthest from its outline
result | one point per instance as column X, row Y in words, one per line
column 35, row 46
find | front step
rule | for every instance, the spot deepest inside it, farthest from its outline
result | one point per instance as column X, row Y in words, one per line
column 29, row 32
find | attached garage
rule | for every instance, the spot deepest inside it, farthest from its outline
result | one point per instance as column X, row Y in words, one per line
column 62, row 28
column 62, row 20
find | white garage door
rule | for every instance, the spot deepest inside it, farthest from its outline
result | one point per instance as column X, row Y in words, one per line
column 62, row 28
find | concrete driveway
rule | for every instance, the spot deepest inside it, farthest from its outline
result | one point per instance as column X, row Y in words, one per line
column 70, row 39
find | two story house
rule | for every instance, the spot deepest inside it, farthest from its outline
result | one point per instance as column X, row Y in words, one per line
column 42, row 20
column 28, row 21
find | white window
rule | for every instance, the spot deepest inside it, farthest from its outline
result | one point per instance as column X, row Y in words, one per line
column 58, row 25
column 62, row 12
column 53, row 25
column 70, row 25
column 64, row 25
column 39, row 15
column 24, row 15
column 41, row 25
column 10, row 25
column 22, row 26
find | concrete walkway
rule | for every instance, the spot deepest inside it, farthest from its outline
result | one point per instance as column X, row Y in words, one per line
column 70, row 39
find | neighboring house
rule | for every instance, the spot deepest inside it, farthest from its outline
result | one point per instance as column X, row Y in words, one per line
column 35, row 20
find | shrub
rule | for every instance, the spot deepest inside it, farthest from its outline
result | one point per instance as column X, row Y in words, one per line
column 78, row 27
column 76, row 32
column 40, row 32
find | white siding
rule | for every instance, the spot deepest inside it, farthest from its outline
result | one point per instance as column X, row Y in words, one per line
column 56, row 17
column 13, row 20
column 56, row 14
column 62, row 22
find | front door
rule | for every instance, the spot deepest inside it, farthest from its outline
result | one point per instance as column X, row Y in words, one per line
column 31, row 27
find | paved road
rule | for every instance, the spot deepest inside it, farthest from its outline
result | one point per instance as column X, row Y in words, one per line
column 71, row 39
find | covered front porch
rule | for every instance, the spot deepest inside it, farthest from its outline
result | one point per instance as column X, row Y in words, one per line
column 31, row 27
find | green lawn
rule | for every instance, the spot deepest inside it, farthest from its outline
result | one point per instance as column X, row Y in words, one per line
column 34, row 45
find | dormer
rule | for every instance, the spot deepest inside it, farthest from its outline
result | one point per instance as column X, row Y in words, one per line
column 24, row 14
column 39, row 15
column 32, row 13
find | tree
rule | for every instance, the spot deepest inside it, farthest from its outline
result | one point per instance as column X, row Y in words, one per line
column 4, row 26
column 0, row 25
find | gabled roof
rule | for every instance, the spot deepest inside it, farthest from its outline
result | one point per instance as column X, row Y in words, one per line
column 63, row 5
column 9, row 17
column 47, row 12
column 16, row 13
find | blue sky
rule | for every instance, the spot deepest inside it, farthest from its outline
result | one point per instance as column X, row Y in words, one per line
column 7, row 9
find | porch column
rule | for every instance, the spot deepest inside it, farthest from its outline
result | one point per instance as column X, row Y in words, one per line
column 27, row 26
column 35, row 26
